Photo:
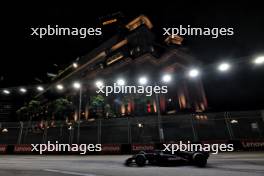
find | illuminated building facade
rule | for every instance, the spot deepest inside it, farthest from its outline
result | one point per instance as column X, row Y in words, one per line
column 129, row 55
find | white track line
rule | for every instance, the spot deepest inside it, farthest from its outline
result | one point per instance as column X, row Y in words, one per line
column 69, row 172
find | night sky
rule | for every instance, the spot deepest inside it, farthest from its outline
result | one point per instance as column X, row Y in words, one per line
column 24, row 57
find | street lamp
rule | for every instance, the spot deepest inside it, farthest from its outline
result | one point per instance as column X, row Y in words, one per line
column 23, row 90
column 5, row 130
column 99, row 83
column 40, row 88
column 166, row 78
column 259, row 60
column 60, row 87
column 5, row 91
column 121, row 82
column 223, row 67
column 78, row 86
column 233, row 121
column 140, row 125
column 143, row 80
column 193, row 73
column 75, row 65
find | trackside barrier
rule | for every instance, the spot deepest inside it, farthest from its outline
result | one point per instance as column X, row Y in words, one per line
column 252, row 145
column 139, row 147
column 22, row 149
column 111, row 149
column 240, row 125
column 239, row 145
column 3, row 149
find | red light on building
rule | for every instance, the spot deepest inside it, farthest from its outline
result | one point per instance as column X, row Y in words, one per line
column 148, row 107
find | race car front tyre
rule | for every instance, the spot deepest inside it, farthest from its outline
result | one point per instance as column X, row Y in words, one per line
column 199, row 159
column 140, row 160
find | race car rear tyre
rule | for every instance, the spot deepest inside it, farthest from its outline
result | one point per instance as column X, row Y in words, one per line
column 140, row 160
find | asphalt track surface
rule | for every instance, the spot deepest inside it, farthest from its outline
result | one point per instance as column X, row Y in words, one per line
column 228, row 164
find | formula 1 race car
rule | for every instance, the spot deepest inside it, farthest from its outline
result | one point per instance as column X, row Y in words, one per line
column 161, row 158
